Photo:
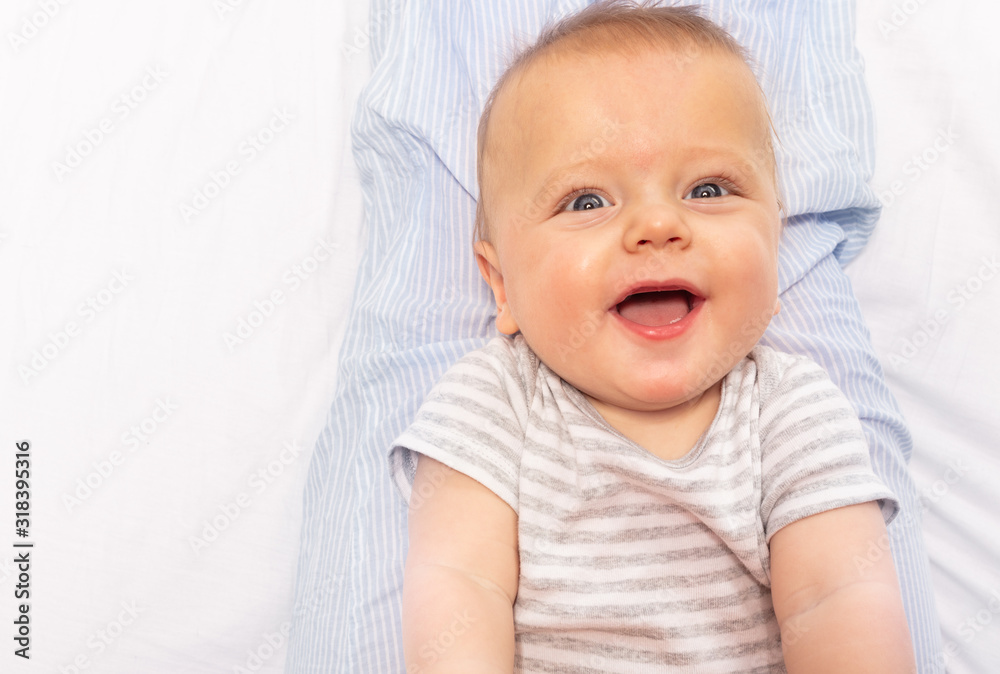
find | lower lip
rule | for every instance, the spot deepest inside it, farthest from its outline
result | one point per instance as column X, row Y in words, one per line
column 660, row 332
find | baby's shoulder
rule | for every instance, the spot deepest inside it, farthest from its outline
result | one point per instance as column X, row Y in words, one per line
column 504, row 368
column 507, row 355
column 778, row 373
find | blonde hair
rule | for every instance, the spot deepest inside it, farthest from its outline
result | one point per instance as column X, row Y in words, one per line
column 617, row 26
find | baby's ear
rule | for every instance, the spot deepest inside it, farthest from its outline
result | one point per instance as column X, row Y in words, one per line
column 777, row 307
column 489, row 267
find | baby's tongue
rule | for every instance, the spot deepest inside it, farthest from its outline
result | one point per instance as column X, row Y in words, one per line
column 655, row 309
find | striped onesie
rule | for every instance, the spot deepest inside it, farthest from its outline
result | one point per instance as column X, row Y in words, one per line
column 628, row 562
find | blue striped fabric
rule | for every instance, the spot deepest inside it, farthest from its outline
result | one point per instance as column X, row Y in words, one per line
column 419, row 303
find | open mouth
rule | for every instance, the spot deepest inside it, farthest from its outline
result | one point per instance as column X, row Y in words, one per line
column 657, row 308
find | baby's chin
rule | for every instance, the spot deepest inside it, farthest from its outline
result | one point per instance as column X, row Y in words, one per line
column 654, row 399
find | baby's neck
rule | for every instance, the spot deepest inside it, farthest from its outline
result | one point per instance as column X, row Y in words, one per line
column 668, row 434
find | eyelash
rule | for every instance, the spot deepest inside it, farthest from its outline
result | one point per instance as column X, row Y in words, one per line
column 568, row 199
column 720, row 179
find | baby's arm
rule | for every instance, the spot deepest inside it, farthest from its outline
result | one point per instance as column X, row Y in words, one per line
column 838, row 602
column 461, row 576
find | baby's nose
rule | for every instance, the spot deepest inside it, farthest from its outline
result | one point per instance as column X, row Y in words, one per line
column 656, row 226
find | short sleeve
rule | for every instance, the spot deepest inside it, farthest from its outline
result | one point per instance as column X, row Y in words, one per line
column 473, row 420
column 814, row 456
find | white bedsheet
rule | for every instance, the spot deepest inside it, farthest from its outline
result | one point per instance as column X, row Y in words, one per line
column 929, row 284
column 170, row 357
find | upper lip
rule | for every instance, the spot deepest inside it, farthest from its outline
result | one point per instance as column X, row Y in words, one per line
column 660, row 286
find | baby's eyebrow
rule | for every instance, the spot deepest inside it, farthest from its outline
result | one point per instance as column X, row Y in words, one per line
column 748, row 160
column 727, row 154
column 560, row 180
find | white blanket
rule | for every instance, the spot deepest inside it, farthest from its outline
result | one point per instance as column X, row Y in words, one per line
column 929, row 284
column 178, row 225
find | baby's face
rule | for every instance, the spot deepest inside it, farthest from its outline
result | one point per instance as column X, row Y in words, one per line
column 634, row 222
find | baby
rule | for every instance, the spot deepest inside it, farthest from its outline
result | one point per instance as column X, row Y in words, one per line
column 628, row 483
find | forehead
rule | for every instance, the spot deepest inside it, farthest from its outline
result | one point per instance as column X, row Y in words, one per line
column 676, row 94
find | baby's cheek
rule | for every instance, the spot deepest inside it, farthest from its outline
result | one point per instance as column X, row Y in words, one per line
column 760, row 266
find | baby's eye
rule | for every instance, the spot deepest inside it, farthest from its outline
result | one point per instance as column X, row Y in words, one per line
column 707, row 191
column 586, row 202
